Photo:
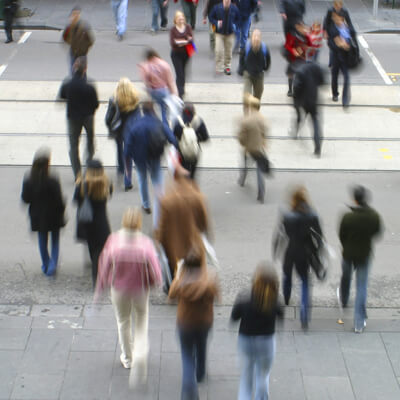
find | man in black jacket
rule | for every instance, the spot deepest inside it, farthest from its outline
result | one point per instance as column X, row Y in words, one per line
column 82, row 103
column 308, row 77
column 9, row 12
column 292, row 12
column 357, row 229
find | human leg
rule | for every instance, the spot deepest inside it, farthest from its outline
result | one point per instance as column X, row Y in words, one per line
column 187, row 11
column 243, row 170
column 260, row 184
column 193, row 9
column 265, row 355
column 178, row 60
column 74, row 134
column 163, row 13
column 122, row 14
column 143, row 187
column 360, row 313
column 44, row 253
column 334, row 75
column 8, row 20
column 94, row 252
column 128, row 172
column 247, row 361
column 159, row 96
column 219, row 52
column 201, row 353
column 155, row 7
column 258, row 86
column 346, row 84
column 317, row 133
column 55, row 246
column 88, row 123
column 114, row 6
column 211, row 36
column 157, row 181
column 245, row 23
column 228, row 43
column 120, row 154
column 122, row 305
column 287, row 277
column 305, row 300
column 189, row 385
column 345, row 282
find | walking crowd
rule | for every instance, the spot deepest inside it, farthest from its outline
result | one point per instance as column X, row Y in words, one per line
column 178, row 253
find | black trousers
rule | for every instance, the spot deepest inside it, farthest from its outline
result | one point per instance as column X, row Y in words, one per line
column 8, row 21
column 180, row 59
column 317, row 132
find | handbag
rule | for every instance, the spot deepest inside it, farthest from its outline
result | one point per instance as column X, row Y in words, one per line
column 85, row 210
column 113, row 118
column 262, row 162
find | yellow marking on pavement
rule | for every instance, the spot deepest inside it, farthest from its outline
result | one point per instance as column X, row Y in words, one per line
column 393, row 73
column 387, row 157
column 384, row 150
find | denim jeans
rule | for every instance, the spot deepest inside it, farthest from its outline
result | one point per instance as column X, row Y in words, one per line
column 159, row 96
column 157, row 8
column 242, row 32
column 257, row 354
column 193, row 351
column 154, row 168
column 337, row 63
column 49, row 264
column 260, row 177
column 120, row 10
column 362, row 270
column 189, row 10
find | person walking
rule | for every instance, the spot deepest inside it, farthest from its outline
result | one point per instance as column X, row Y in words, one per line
column 180, row 36
column 246, row 9
column 42, row 191
column 10, row 9
column 225, row 17
column 192, row 121
column 292, row 11
column 302, row 229
column 82, row 103
column 96, row 187
column 123, row 106
column 208, row 6
column 159, row 7
column 79, row 35
column 145, row 139
column 254, row 60
column 358, row 228
column 129, row 266
column 257, row 311
column 307, row 80
column 252, row 136
column 340, row 38
column 157, row 77
column 196, row 289
column 120, row 11
column 189, row 8
column 336, row 6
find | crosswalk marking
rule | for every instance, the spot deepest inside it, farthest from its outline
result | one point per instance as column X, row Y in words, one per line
column 24, row 37
column 2, row 68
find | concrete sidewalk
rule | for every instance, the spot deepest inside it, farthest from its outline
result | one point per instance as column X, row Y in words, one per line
column 71, row 352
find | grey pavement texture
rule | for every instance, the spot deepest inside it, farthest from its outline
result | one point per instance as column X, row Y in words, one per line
column 72, row 352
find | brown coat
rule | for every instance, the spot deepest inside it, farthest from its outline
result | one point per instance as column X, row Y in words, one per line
column 183, row 216
column 80, row 37
column 252, row 132
column 196, row 291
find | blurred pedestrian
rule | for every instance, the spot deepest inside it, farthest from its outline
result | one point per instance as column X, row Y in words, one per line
column 96, row 187
column 302, row 229
column 79, row 35
column 122, row 107
column 159, row 7
column 157, row 77
column 10, row 9
column 337, row 5
column 145, row 138
column 316, row 36
column 189, row 145
column 120, row 10
column 42, row 191
column 129, row 266
column 254, row 60
column 208, row 6
column 340, row 39
column 225, row 18
column 252, row 136
column 180, row 37
column 183, row 218
column 257, row 312
column 296, row 45
column 307, row 80
column 82, row 103
column 246, row 9
column 196, row 289
column 291, row 12
column 189, row 8
column 358, row 228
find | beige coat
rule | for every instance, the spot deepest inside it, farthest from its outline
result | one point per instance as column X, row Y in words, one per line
column 253, row 132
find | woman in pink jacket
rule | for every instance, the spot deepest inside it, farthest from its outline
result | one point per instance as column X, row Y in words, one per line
column 129, row 266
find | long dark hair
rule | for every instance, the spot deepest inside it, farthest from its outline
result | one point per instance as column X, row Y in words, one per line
column 40, row 167
column 265, row 287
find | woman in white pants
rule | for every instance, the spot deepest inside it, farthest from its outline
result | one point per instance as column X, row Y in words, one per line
column 129, row 266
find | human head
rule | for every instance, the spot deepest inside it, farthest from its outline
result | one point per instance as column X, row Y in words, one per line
column 301, row 27
column 193, row 258
column 150, row 53
column 75, row 14
column 338, row 17
column 41, row 162
column 80, row 65
column 126, row 95
column 265, row 286
column 251, row 102
column 338, row 4
column 361, row 195
column 188, row 111
column 256, row 39
column 316, row 26
column 179, row 18
column 96, row 180
column 148, row 107
column 299, row 198
column 226, row 3
column 132, row 219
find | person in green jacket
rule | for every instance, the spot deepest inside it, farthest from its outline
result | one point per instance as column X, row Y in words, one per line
column 358, row 228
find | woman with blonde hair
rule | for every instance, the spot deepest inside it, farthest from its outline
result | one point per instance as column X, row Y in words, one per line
column 123, row 105
column 96, row 186
column 180, row 36
column 129, row 266
column 302, row 229
column 257, row 311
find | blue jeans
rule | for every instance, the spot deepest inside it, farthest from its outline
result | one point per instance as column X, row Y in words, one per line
column 154, row 168
column 159, row 96
column 339, row 64
column 120, row 10
column 193, row 351
column 242, row 31
column 49, row 264
column 257, row 354
column 362, row 270
column 157, row 8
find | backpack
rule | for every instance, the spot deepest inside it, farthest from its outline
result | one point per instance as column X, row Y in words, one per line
column 189, row 144
column 156, row 142
column 243, row 60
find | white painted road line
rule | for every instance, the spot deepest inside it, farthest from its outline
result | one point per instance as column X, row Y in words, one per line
column 2, row 68
column 375, row 61
column 24, row 37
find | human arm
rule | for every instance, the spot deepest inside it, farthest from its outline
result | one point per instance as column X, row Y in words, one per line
column 236, row 313
column 169, row 135
column 104, row 268
column 26, row 194
column 155, row 277
column 267, row 60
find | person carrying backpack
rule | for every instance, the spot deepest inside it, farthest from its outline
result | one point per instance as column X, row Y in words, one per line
column 145, row 139
column 254, row 60
column 190, row 130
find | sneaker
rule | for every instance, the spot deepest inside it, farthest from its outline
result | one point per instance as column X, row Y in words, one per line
column 153, row 31
column 128, row 187
column 147, row 210
column 362, row 329
column 125, row 363
column 227, row 71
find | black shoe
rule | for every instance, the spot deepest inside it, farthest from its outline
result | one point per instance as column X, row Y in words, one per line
column 304, row 326
column 260, row 199
column 8, row 41
column 120, row 37
column 146, row 210
column 335, row 98
column 290, row 93
column 227, row 71
column 128, row 188
column 317, row 153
